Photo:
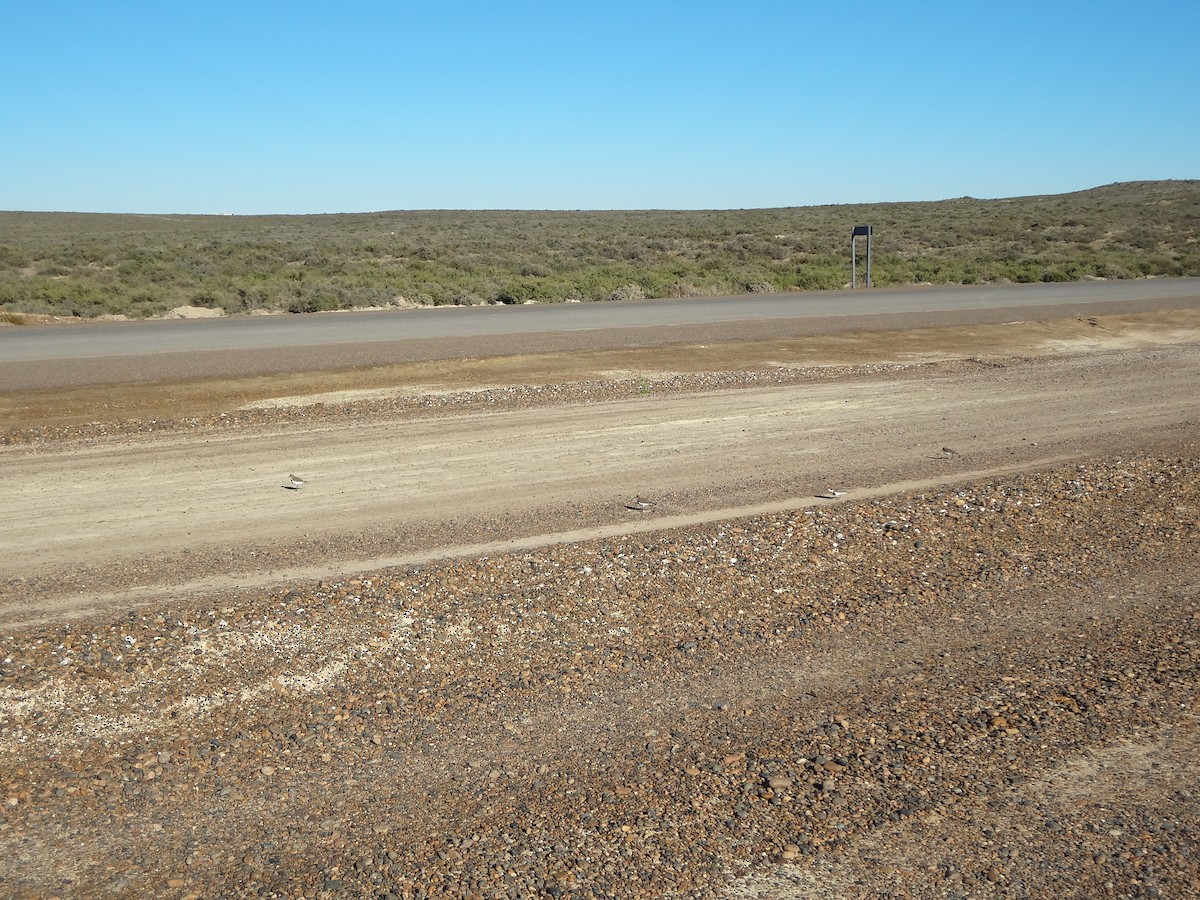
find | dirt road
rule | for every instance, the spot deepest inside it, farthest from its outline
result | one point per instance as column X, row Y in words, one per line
column 470, row 468
column 455, row 662
column 204, row 508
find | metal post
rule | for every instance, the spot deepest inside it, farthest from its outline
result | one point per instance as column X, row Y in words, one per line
column 868, row 259
column 865, row 231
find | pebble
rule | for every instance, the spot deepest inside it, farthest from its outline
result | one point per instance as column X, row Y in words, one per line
column 470, row 728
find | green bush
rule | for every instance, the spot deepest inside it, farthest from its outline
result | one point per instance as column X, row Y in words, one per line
column 627, row 292
column 521, row 291
column 90, row 265
column 316, row 301
column 14, row 257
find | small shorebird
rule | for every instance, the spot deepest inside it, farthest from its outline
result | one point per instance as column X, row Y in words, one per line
column 295, row 482
column 639, row 503
column 831, row 494
column 948, row 452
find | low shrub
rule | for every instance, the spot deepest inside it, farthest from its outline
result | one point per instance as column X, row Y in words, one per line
column 627, row 292
column 91, row 265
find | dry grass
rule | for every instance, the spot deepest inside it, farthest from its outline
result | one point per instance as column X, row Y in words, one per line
column 89, row 265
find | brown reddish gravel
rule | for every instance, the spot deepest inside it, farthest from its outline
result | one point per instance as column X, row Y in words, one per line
column 974, row 675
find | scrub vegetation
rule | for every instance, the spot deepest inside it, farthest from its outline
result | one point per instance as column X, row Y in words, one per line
column 90, row 265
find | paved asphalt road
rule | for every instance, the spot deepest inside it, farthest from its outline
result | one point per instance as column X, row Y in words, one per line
column 100, row 353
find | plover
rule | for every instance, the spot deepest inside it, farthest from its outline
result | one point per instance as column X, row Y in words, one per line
column 639, row 503
column 295, row 482
column 831, row 494
column 948, row 452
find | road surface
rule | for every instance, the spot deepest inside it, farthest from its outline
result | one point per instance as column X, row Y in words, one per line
column 411, row 472
column 973, row 673
column 180, row 350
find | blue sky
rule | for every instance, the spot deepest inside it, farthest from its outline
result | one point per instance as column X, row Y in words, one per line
column 304, row 107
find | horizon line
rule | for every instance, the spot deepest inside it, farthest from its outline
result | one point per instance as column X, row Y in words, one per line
column 532, row 209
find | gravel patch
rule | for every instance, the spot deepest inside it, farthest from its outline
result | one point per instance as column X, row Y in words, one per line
column 986, row 690
column 424, row 402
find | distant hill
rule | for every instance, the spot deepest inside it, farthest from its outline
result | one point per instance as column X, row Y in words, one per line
column 92, row 264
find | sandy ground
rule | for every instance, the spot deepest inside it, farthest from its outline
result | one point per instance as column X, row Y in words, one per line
column 470, row 463
column 457, row 651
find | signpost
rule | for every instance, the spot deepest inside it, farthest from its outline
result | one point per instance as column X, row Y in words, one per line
column 859, row 231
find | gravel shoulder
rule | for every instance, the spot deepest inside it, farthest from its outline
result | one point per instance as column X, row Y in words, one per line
column 455, row 663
